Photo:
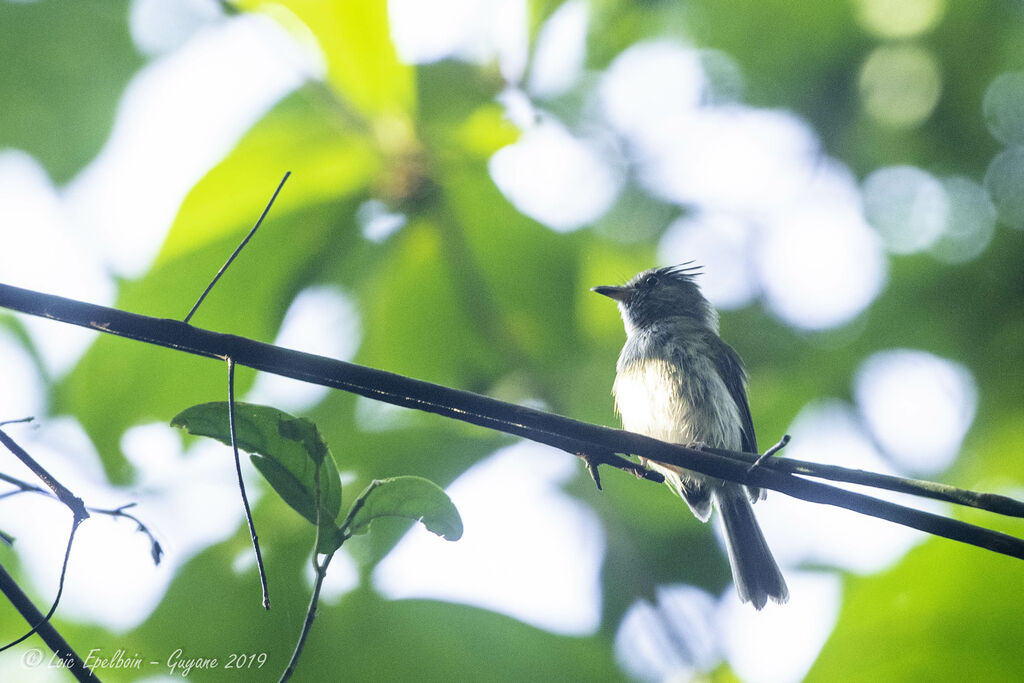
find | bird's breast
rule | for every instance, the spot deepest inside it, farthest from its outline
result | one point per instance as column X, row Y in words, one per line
column 680, row 402
column 648, row 396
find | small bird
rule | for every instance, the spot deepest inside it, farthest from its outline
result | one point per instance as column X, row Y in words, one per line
column 677, row 381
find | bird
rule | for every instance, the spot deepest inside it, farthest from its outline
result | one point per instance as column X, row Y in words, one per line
column 677, row 381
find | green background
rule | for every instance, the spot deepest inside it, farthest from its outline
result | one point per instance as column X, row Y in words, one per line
column 472, row 294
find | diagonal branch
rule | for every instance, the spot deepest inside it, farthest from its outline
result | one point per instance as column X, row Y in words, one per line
column 61, row 492
column 561, row 432
column 1003, row 505
column 237, row 251
column 62, row 651
column 79, row 515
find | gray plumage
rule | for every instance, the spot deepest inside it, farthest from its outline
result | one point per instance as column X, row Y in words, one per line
column 677, row 381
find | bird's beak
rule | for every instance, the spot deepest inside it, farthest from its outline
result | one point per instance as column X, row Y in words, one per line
column 617, row 293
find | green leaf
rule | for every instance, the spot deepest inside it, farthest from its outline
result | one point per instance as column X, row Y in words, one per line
column 285, row 450
column 414, row 498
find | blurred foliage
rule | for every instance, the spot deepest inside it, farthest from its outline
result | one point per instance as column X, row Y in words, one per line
column 60, row 83
column 472, row 294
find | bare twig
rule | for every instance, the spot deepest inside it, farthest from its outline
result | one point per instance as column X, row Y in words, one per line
column 241, row 484
column 63, row 652
column 24, row 486
column 567, row 434
column 770, row 452
column 156, row 550
column 320, row 570
column 75, row 522
column 991, row 502
column 65, row 496
column 79, row 515
column 237, row 250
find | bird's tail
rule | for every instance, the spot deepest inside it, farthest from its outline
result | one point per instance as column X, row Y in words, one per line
column 754, row 571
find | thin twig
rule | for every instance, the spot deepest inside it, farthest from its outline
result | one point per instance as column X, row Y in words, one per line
column 156, row 550
column 565, row 433
column 990, row 502
column 321, row 573
column 237, row 250
column 63, row 652
column 24, row 486
column 314, row 600
column 770, row 452
column 65, row 496
column 75, row 522
column 241, row 485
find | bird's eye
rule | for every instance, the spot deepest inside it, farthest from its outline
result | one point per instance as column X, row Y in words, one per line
column 649, row 281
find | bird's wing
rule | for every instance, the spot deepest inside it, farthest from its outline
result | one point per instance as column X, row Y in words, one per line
column 731, row 370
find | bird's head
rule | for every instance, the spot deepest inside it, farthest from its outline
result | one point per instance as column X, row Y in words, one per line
column 659, row 294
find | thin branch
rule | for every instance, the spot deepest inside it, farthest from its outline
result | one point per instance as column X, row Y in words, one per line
column 155, row 549
column 565, row 433
column 79, row 515
column 41, row 622
column 45, row 621
column 783, row 442
column 65, row 496
column 991, row 502
column 241, row 484
column 22, row 486
column 320, row 570
column 54, row 640
column 237, row 250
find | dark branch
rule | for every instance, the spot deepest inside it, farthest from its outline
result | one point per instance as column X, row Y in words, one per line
column 237, row 250
column 23, row 486
column 241, row 484
column 783, row 442
column 991, row 502
column 156, row 551
column 567, row 434
column 80, row 514
column 44, row 621
column 63, row 494
column 53, row 639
